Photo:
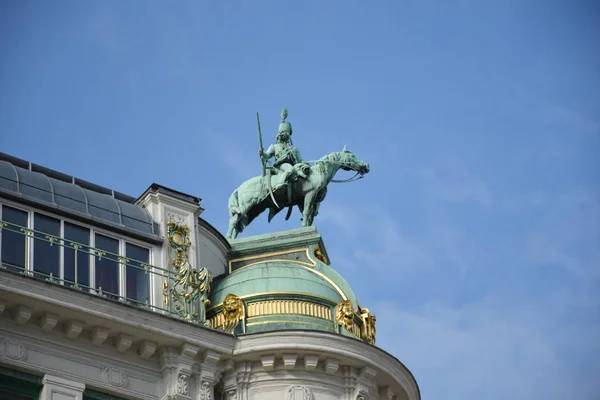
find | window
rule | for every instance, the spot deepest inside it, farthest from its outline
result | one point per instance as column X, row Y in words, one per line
column 136, row 276
column 14, row 247
column 46, row 247
column 16, row 385
column 76, row 256
column 107, row 264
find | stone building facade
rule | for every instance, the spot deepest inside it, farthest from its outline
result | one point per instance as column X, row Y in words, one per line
column 105, row 296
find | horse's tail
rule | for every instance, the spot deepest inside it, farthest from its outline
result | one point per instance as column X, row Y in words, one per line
column 234, row 205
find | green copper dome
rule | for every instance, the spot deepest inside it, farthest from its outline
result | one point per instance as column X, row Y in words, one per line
column 282, row 281
column 283, row 277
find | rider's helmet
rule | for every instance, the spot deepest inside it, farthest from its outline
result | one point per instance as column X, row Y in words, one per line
column 285, row 127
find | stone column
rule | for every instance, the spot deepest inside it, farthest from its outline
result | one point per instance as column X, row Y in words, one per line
column 56, row 388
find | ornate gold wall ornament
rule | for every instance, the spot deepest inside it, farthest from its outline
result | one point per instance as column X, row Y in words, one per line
column 233, row 312
column 288, row 307
column 345, row 314
column 186, row 289
column 367, row 329
column 320, row 256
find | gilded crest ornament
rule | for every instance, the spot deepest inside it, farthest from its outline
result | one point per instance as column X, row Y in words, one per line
column 345, row 315
column 185, row 289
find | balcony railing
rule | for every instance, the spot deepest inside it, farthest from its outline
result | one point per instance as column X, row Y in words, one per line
column 172, row 291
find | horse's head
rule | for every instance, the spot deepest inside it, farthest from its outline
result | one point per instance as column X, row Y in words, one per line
column 349, row 162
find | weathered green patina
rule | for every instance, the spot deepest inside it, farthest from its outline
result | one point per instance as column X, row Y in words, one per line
column 282, row 284
column 289, row 182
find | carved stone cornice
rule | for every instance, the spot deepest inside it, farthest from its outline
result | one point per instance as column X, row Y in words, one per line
column 76, row 307
column 337, row 352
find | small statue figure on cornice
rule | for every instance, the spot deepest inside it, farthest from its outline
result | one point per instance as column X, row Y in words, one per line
column 288, row 160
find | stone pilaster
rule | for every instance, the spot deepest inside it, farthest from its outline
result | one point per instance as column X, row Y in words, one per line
column 206, row 375
column 56, row 388
column 176, row 369
column 365, row 384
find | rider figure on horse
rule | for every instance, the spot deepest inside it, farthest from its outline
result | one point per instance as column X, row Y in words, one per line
column 288, row 161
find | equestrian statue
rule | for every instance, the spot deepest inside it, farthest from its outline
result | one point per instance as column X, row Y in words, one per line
column 289, row 181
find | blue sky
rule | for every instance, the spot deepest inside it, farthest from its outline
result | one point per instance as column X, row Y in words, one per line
column 476, row 237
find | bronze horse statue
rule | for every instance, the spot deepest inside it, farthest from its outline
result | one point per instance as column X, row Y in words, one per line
column 252, row 197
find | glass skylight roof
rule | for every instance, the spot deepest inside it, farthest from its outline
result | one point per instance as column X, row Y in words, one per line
column 73, row 198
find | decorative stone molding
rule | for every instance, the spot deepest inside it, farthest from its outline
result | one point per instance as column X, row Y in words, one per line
column 13, row 349
column 386, row 393
column 114, row 376
column 331, row 366
column 123, row 342
column 230, row 380
column 182, row 384
column 146, row 349
column 289, row 361
column 366, row 383
column 176, row 365
column 206, row 374
column 310, row 362
column 298, row 392
column 57, row 356
column 176, row 217
column 205, row 390
column 268, row 362
column 99, row 335
column 48, row 321
column 22, row 314
column 73, row 328
column 363, row 396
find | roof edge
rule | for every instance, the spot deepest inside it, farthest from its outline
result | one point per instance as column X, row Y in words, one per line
column 157, row 188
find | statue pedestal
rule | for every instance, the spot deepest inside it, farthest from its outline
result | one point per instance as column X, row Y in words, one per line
column 281, row 281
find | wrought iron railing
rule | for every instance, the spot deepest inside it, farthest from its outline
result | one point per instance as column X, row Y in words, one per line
column 171, row 286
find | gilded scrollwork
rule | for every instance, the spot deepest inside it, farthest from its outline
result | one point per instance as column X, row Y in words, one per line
column 345, row 315
column 233, row 312
column 367, row 329
column 186, row 289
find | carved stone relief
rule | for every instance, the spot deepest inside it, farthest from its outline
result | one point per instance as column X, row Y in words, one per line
column 205, row 391
column 298, row 393
column 14, row 349
column 182, row 384
column 114, row 376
